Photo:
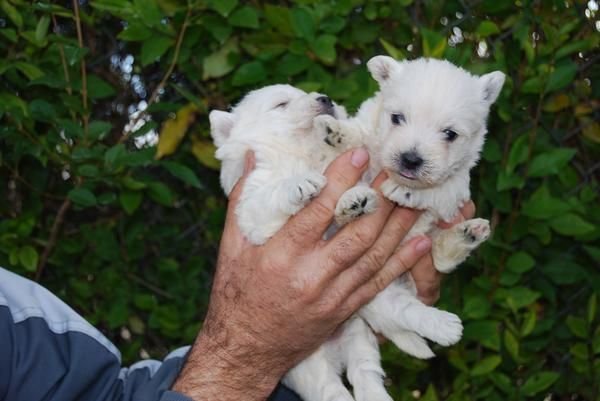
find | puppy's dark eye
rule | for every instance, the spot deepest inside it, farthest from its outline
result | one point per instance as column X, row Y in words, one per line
column 398, row 119
column 281, row 105
column 450, row 135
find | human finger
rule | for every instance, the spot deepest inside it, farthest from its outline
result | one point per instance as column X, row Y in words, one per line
column 231, row 225
column 401, row 261
column 353, row 247
column 427, row 280
column 310, row 223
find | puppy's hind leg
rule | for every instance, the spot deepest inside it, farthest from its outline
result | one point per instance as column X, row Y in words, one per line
column 364, row 369
column 452, row 246
column 317, row 378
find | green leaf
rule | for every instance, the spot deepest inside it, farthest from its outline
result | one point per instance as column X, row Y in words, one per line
column 578, row 326
column 130, row 200
column 153, row 48
column 591, row 309
column 245, row 17
column 529, row 322
column 539, row 382
column 486, row 365
column 249, row 73
column 41, row 29
column 223, row 7
column 135, row 32
column 160, row 193
column 551, row 162
column 324, row 48
column 512, row 345
column 562, row 75
column 518, row 153
column 487, row 28
column 98, row 88
column 28, row 257
column 541, row 205
column 182, row 172
column 12, row 13
column 88, row 170
column 74, row 54
column 279, row 18
column 570, row 224
column 392, row 50
column 476, row 307
column 484, row 332
column 434, row 43
column 114, row 155
column 303, row 23
column 98, row 129
column 82, row 197
column 220, row 63
column 31, row 71
column 519, row 297
column 520, row 262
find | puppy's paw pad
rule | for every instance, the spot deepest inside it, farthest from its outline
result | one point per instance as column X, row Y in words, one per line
column 399, row 194
column 355, row 203
column 475, row 231
column 330, row 130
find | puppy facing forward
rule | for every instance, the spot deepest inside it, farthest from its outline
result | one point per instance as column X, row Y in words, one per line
column 425, row 128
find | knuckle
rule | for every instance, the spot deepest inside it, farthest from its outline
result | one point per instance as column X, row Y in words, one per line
column 340, row 178
column 364, row 269
column 340, row 253
column 320, row 209
column 365, row 237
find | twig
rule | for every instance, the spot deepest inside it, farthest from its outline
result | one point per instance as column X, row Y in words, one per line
column 165, row 78
column 60, row 216
column 63, row 59
column 150, row 286
column 84, row 92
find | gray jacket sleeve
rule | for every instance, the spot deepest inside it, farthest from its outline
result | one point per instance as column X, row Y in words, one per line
column 49, row 352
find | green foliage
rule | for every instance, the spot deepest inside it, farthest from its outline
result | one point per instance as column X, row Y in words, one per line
column 127, row 233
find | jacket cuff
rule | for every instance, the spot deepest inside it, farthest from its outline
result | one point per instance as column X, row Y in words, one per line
column 173, row 396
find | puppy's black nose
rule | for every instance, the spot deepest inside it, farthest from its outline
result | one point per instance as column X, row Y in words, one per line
column 411, row 160
column 325, row 101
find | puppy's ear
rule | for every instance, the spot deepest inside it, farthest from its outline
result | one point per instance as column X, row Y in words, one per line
column 492, row 85
column 381, row 67
column 221, row 123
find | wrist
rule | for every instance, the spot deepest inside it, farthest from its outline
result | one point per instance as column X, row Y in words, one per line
column 217, row 370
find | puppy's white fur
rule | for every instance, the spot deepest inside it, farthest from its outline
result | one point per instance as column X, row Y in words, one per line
column 421, row 105
column 280, row 124
column 288, row 141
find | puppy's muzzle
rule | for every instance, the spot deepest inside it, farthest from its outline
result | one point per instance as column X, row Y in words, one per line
column 326, row 105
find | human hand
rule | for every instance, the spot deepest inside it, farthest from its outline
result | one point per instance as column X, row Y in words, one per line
column 272, row 305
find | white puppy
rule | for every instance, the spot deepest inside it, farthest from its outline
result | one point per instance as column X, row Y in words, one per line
column 280, row 124
column 425, row 128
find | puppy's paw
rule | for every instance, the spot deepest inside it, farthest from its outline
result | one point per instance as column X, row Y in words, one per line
column 399, row 194
column 301, row 189
column 330, row 130
column 442, row 327
column 474, row 232
column 354, row 203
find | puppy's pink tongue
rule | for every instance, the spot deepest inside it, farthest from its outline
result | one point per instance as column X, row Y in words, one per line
column 407, row 174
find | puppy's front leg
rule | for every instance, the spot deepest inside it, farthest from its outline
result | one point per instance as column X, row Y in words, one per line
column 403, row 196
column 354, row 203
column 339, row 134
column 452, row 246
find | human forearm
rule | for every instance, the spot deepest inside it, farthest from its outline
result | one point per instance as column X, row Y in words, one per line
column 227, row 370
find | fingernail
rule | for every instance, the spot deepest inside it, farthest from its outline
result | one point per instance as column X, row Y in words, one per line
column 423, row 245
column 359, row 157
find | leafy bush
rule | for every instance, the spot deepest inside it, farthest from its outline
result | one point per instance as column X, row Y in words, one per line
column 126, row 230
